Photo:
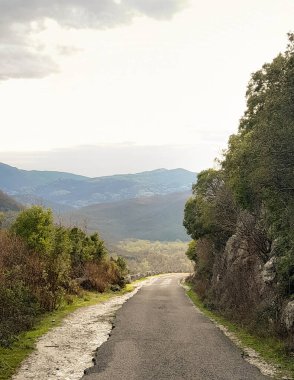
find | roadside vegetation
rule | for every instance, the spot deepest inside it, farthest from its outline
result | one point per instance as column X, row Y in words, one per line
column 44, row 266
column 271, row 349
column 241, row 215
column 12, row 356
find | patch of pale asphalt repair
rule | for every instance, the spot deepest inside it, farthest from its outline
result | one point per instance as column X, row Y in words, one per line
column 65, row 351
column 166, row 282
column 248, row 354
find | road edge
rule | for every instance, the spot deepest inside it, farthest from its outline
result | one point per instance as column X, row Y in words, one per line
column 248, row 354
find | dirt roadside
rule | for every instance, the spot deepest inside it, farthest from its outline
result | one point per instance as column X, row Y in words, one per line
column 65, row 351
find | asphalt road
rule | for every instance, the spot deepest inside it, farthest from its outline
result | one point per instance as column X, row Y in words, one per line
column 159, row 335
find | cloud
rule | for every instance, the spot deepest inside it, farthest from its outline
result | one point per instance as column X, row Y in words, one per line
column 19, row 62
column 19, row 20
column 67, row 50
column 157, row 9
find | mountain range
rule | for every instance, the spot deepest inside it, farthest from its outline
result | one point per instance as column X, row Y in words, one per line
column 147, row 205
column 72, row 190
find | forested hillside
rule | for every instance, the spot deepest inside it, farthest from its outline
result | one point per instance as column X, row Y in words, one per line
column 151, row 218
column 144, row 255
column 241, row 216
column 7, row 203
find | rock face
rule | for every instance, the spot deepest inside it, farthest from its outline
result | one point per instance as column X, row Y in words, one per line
column 237, row 282
column 244, row 287
column 269, row 271
column 288, row 316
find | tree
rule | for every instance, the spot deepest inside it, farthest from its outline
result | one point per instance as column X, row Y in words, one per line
column 191, row 251
column 200, row 210
column 35, row 226
column 59, row 262
column 122, row 265
column 99, row 252
column 259, row 165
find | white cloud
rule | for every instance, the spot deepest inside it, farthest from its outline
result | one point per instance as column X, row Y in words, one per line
column 20, row 62
column 20, row 20
column 157, row 9
column 171, row 83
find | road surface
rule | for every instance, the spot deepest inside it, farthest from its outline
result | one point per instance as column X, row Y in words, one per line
column 160, row 335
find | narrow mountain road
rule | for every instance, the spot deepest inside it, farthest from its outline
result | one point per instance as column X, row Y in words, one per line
column 159, row 335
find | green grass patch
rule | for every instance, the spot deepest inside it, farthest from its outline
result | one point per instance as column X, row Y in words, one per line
column 271, row 349
column 11, row 358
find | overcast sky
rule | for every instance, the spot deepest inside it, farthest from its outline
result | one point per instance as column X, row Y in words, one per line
column 100, row 87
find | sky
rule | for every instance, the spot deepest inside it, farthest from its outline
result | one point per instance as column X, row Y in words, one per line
column 101, row 87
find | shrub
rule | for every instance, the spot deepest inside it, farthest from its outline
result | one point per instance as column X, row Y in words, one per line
column 39, row 263
column 19, row 287
column 18, row 311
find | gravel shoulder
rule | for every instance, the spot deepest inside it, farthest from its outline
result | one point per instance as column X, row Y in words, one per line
column 65, row 351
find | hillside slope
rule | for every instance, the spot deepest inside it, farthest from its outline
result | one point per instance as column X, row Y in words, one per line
column 149, row 218
column 30, row 199
column 7, row 203
column 17, row 181
column 77, row 191
column 117, row 187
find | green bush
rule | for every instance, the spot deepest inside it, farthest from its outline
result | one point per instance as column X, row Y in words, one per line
column 40, row 263
column 18, row 312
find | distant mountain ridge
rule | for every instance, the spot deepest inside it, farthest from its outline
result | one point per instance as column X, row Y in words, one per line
column 17, row 180
column 71, row 190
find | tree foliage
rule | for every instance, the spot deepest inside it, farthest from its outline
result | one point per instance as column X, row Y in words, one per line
column 253, row 190
column 35, row 226
column 199, row 218
column 259, row 163
column 40, row 262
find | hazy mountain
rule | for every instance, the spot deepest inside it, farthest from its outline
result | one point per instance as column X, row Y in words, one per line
column 157, row 217
column 28, row 200
column 8, row 204
column 17, row 181
column 78, row 191
column 147, row 205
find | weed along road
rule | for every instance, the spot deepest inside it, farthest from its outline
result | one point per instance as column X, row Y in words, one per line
column 159, row 334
